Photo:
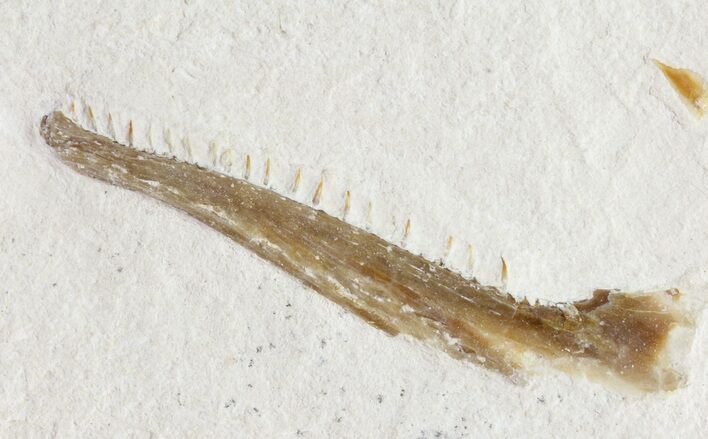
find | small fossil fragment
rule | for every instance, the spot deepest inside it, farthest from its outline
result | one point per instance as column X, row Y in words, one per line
column 614, row 337
column 689, row 85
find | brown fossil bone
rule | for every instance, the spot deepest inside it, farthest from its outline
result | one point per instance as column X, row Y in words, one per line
column 614, row 337
column 692, row 89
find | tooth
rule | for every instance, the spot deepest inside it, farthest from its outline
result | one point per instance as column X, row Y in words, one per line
column 296, row 181
column 318, row 191
column 504, row 273
column 130, row 133
column 109, row 127
column 345, row 209
column 247, row 168
column 266, row 173
column 406, row 231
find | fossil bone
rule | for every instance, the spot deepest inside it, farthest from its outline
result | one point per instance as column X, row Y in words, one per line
column 692, row 89
column 616, row 337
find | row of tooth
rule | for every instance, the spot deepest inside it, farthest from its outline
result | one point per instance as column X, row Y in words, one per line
column 225, row 160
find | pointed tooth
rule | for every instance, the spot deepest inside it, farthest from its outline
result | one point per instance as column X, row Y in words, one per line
column 130, row 133
column 345, row 209
column 296, row 181
column 406, row 231
column 109, row 128
column 247, row 168
column 266, row 173
column 91, row 119
column 318, row 191
column 504, row 273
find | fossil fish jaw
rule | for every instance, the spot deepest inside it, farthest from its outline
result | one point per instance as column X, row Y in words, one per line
column 617, row 337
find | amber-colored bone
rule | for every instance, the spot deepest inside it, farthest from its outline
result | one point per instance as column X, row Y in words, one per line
column 616, row 336
column 689, row 85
